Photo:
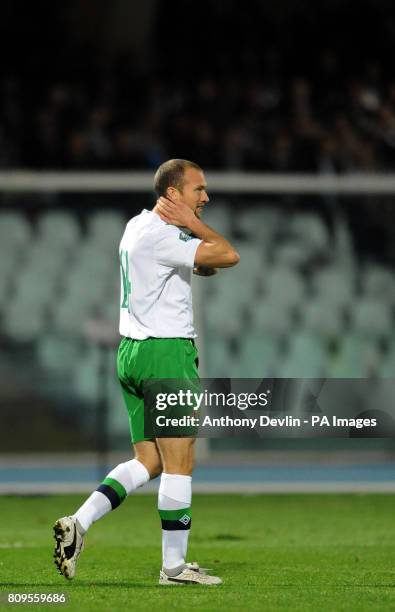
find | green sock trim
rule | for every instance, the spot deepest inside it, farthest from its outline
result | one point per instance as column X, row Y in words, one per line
column 174, row 515
column 118, row 488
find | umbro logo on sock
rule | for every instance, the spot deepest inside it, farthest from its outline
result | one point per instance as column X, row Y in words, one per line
column 185, row 519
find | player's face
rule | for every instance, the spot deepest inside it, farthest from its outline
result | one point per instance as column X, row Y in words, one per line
column 194, row 192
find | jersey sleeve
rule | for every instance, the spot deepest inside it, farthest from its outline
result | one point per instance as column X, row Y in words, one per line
column 175, row 249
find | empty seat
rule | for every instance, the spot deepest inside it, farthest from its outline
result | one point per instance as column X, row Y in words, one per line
column 309, row 229
column 106, row 227
column 15, row 231
column 292, row 367
column 259, row 224
column 58, row 354
column 48, row 260
column 291, row 254
column 323, row 318
column 217, row 214
column 70, row 315
column 378, row 282
column 306, row 357
column 85, row 287
column 285, row 287
column 34, row 286
column 357, row 358
column 258, row 355
column 223, row 318
column 334, row 286
column 218, row 357
column 372, row 318
column 23, row 324
column 59, row 229
column 231, row 291
column 271, row 318
column 93, row 260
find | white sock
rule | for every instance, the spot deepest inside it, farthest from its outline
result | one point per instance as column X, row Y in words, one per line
column 174, row 502
column 121, row 481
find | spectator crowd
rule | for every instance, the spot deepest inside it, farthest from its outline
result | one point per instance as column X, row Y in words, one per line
column 231, row 123
column 274, row 86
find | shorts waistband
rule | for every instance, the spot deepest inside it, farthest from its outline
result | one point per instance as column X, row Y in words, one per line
column 192, row 340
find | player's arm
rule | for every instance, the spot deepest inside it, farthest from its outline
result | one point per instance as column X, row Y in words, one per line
column 214, row 251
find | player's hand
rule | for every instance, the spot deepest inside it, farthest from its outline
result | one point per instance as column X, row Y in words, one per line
column 205, row 271
column 174, row 213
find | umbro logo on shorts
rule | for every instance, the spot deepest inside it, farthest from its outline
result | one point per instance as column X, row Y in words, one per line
column 185, row 519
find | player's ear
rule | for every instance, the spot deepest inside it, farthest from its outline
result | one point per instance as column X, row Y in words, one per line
column 172, row 193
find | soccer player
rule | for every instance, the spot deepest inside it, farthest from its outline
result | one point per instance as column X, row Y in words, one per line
column 157, row 255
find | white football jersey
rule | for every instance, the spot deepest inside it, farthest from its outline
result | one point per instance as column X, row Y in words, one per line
column 156, row 265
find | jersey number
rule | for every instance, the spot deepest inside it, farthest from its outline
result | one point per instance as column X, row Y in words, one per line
column 126, row 284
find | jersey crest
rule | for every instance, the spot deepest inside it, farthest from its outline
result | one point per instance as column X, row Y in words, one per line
column 185, row 237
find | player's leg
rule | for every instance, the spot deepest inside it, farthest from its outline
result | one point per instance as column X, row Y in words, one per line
column 177, row 455
column 147, row 453
column 176, row 359
column 125, row 477
column 120, row 482
column 174, row 505
column 128, row 476
column 174, row 499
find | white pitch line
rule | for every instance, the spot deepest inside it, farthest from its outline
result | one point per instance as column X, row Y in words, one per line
column 18, row 545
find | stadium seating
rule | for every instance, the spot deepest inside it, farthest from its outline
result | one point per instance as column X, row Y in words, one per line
column 259, row 224
column 292, row 253
column 271, row 318
column 280, row 312
column 58, row 229
column 372, row 318
column 357, row 358
column 22, row 323
column 58, row 354
column 305, row 358
column 378, row 282
column 218, row 358
column 335, row 286
column 309, row 230
column 221, row 320
column 15, row 230
column 259, row 355
column 322, row 318
column 219, row 216
column 387, row 367
column 285, row 288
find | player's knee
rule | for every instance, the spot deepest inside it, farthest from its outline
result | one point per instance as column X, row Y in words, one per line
column 156, row 470
column 153, row 466
column 183, row 466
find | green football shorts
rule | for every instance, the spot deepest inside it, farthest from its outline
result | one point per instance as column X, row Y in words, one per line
column 160, row 358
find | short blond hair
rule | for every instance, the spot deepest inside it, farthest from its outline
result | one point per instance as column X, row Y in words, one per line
column 171, row 174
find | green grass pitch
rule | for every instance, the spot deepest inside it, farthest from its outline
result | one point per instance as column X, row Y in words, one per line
column 274, row 552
